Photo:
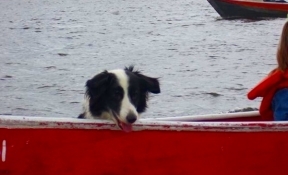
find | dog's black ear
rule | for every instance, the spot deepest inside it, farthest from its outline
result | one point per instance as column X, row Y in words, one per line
column 150, row 84
column 131, row 69
column 97, row 85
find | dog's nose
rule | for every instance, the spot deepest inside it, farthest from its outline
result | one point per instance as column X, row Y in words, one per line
column 131, row 118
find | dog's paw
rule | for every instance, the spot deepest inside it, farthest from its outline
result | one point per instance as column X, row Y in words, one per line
column 81, row 115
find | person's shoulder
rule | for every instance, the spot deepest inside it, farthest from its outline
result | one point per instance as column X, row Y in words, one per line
column 273, row 71
column 265, row 85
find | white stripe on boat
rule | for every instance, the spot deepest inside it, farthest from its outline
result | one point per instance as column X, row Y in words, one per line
column 185, row 123
column 3, row 150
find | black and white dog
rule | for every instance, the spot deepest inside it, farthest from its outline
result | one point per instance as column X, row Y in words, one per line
column 120, row 95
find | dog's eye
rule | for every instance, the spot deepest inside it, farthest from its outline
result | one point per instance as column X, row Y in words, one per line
column 118, row 94
column 134, row 94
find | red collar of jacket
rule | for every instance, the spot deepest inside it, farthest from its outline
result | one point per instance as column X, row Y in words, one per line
column 266, row 89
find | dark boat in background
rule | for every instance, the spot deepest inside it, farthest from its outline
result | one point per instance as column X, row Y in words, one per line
column 250, row 9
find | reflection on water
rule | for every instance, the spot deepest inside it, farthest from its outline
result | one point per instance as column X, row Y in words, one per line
column 206, row 65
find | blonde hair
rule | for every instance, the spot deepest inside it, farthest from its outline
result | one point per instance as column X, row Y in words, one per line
column 282, row 51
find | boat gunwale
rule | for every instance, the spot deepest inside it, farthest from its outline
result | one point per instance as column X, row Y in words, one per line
column 26, row 122
column 275, row 6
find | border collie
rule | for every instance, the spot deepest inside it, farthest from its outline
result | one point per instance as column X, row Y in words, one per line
column 119, row 95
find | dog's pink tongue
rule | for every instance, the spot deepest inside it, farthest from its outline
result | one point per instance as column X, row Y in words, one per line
column 126, row 127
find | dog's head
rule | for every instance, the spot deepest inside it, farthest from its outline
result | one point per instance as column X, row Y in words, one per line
column 120, row 95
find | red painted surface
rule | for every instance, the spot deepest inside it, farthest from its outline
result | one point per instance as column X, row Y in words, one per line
column 260, row 5
column 147, row 152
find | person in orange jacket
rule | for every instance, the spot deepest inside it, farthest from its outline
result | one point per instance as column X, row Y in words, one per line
column 274, row 87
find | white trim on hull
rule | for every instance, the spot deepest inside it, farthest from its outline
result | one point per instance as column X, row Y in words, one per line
column 24, row 122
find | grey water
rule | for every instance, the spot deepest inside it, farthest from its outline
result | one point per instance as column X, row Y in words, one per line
column 50, row 48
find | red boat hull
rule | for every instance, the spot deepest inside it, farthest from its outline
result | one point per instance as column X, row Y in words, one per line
column 249, row 9
column 62, row 147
